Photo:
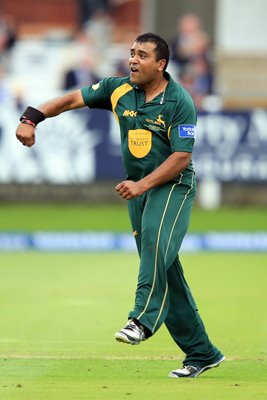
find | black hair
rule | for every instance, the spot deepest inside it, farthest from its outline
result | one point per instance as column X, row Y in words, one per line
column 162, row 49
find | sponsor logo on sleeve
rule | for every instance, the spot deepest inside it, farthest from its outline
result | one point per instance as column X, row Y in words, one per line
column 187, row 131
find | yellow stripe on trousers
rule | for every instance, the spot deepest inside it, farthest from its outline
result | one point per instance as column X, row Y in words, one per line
column 156, row 256
column 177, row 216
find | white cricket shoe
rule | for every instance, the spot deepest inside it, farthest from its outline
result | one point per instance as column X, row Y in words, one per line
column 190, row 371
column 133, row 333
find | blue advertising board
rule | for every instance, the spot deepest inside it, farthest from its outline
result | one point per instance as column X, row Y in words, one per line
column 84, row 145
column 111, row 241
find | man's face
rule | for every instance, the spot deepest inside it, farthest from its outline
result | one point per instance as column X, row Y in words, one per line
column 142, row 63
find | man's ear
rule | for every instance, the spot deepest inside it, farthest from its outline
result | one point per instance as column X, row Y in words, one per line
column 162, row 64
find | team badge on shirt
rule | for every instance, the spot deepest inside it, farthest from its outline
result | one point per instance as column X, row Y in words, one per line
column 187, row 131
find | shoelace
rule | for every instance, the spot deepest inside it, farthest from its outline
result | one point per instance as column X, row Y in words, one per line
column 131, row 326
column 189, row 368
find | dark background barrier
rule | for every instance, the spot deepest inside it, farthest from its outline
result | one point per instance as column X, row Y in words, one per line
column 77, row 157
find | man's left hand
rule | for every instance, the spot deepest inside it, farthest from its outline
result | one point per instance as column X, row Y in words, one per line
column 130, row 189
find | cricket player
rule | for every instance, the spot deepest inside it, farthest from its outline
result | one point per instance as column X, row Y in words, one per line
column 157, row 124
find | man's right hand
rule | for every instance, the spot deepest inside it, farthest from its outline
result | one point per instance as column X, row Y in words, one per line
column 26, row 134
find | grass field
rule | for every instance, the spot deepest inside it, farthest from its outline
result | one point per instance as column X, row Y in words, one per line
column 59, row 313
column 31, row 217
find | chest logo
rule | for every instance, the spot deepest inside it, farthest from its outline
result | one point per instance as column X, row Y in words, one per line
column 139, row 142
column 156, row 125
column 160, row 121
column 130, row 113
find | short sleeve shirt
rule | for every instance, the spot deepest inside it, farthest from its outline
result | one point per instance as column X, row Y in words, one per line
column 150, row 131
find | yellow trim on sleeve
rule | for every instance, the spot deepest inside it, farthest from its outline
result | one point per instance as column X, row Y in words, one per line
column 169, row 131
column 117, row 94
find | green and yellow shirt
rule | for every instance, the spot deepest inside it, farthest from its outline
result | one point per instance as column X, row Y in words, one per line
column 152, row 131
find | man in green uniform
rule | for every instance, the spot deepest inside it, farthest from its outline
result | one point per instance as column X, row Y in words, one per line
column 157, row 121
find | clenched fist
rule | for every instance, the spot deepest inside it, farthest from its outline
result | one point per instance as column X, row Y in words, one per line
column 130, row 189
column 26, row 134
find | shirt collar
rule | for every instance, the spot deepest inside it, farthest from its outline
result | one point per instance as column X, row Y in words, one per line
column 170, row 87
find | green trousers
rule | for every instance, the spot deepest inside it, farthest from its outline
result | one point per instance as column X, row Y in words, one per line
column 160, row 219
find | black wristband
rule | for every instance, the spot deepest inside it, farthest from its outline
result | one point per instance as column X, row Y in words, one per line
column 33, row 115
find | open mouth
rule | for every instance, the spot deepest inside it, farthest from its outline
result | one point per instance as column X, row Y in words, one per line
column 133, row 70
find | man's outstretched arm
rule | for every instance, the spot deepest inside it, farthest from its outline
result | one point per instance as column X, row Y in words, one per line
column 26, row 130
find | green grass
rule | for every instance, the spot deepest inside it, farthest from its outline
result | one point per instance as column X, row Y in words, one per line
column 31, row 217
column 59, row 313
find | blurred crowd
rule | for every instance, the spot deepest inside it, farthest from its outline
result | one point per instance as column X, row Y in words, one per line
column 8, row 38
column 192, row 57
column 191, row 54
column 100, row 48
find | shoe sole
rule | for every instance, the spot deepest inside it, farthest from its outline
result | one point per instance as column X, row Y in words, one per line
column 123, row 338
column 214, row 365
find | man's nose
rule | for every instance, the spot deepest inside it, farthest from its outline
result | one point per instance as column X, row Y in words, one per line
column 133, row 58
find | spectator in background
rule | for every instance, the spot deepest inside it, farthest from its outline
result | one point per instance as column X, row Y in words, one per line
column 99, row 28
column 7, row 36
column 88, row 8
column 80, row 75
column 121, row 68
column 191, row 57
column 4, row 92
